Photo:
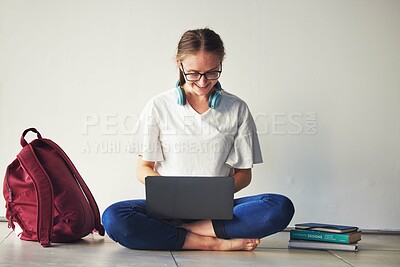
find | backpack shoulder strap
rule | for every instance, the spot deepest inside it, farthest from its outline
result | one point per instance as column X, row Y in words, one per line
column 92, row 202
column 44, row 193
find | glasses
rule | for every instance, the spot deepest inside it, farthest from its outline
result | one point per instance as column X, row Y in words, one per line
column 196, row 76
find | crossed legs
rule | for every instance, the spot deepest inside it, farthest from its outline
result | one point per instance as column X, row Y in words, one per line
column 254, row 217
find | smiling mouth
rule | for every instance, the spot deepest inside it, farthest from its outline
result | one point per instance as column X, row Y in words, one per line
column 202, row 87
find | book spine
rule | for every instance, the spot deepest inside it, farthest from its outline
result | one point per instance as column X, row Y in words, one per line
column 322, row 245
column 319, row 236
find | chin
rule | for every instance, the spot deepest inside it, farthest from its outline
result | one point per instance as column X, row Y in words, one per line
column 202, row 90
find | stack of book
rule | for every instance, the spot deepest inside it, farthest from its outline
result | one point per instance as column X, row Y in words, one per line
column 325, row 237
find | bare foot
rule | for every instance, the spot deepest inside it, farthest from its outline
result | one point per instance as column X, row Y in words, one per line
column 199, row 242
column 238, row 244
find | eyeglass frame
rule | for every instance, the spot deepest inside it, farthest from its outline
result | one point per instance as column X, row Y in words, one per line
column 202, row 74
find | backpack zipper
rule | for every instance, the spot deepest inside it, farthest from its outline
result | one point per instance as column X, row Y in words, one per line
column 10, row 192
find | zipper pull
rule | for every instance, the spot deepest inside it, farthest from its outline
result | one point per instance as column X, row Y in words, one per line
column 11, row 222
column 10, row 195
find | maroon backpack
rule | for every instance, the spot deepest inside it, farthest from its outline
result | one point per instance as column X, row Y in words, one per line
column 46, row 196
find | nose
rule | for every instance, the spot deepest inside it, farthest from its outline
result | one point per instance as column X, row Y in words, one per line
column 203, row 81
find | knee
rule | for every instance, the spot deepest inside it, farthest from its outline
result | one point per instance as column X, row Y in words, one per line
column 110, row 218
column 285, row 210
column 119, row 218
column 280, row 210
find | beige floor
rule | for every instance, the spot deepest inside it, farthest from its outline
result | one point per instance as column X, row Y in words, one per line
column 375, row 250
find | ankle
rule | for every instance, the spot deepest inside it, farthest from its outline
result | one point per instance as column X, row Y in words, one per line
column 215, row 244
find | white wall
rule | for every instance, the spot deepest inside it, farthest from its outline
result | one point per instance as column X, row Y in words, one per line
column 321, row 79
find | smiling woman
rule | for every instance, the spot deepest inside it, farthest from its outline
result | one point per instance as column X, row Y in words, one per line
column 209, row 133
column 198, row 86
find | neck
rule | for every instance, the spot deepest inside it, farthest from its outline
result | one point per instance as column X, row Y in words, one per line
column 198, row 102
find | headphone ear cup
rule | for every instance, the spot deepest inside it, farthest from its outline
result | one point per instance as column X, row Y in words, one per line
column 181, row 96
column 214, row 99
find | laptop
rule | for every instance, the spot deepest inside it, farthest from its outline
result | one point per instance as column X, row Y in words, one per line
column 189, row 197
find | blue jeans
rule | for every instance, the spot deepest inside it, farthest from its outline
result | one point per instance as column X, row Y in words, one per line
column 253, row 217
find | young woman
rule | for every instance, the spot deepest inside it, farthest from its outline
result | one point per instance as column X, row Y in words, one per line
column 198, row 129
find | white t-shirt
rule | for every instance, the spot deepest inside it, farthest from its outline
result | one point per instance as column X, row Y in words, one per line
column 184, row 142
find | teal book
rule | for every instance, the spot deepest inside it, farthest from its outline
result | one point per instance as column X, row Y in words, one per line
column 344, row 238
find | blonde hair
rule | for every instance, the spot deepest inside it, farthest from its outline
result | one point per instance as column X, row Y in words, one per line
column 194, row 41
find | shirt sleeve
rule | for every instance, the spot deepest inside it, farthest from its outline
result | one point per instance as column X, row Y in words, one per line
column 246, row 149
column 145, row 140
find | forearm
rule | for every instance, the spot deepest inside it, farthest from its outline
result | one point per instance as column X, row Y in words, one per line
column 144, row 169
column 242, row 178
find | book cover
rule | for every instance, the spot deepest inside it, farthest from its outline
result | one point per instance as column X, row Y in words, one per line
column 345, row 238
column 323, row 227
column 305, row 244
